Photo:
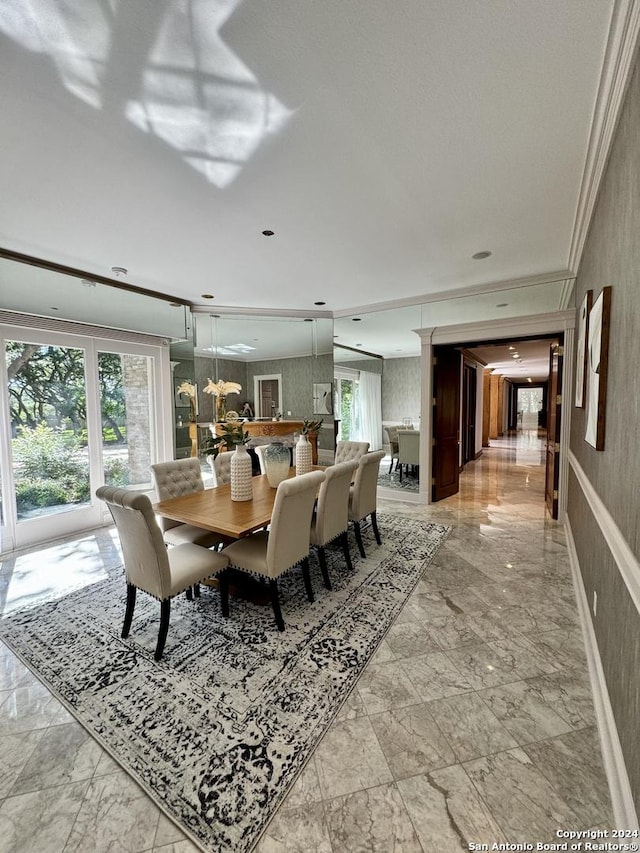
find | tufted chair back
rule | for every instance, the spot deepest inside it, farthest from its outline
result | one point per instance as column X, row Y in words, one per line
column 146, row 563
column 221, row 467
column 175, row 478
column 346, row 451
column 291, row 522
column 364, row 493
column 332, row 513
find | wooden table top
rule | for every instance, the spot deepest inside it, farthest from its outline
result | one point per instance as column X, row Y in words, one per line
column 214, row 510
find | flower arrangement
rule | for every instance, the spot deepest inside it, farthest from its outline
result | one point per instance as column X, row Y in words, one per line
column 220, row 389
column 230, row 435
column 188, row 389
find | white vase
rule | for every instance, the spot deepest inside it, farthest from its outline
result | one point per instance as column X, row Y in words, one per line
column 303, row 455
column 241, row 488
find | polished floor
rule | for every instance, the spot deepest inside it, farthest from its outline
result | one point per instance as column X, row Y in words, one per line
column 473, row 724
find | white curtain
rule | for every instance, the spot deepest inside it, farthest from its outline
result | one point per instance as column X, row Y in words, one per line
column 368, row 410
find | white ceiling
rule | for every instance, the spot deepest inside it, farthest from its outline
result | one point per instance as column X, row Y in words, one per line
column 383, row 142
column 517, row 360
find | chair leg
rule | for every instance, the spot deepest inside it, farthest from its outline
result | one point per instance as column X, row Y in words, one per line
column 189, row 592
column 323, row 567
column 400, row 463
column 356, row 528
column 128, row 614
column 196, row 590
column 344, row 541
column 275, row 603
column 223, row 581
column 307, row 579
column 165, row 613
column 376, row 532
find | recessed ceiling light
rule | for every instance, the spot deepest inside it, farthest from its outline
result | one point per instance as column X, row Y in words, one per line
column 268, row 233
column 502, row 304
column 511, row 348
column 529, row 379
column 320, row 303
column 480, row 256
column 335, row 336
column 53, row 308
column 118, row 271
column 358, row 345
column 206, row 296
column 308, row 320
column 356, row 319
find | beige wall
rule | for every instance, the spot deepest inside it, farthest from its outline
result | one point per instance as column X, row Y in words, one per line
column 612, row 257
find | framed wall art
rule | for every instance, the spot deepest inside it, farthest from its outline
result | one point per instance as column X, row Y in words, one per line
column 581, row 348
column 597, row 364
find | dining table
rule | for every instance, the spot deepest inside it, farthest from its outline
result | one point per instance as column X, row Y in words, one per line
column 214, row 510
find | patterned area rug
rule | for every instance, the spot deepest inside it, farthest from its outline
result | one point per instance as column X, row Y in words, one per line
column 410, row 483
column 218, row 731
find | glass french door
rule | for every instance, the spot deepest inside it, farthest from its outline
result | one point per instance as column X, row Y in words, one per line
column 77, row 412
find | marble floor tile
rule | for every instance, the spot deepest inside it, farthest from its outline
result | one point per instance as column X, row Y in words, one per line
column 306, row 788
column 167, row 833
column 523, row 711
column 434, row 676
column 571, row 763
column 41, row 820
column 28, row 708
column 568, row 692
column 411, row 741
column 349, row 758
column 115, row 814
column 385, row 686
column 408, row 639
column 451, row 631
column 15, row 751
column 66, row 753
column 184, row 846
column 12, row 671
column 352, row 707
column 371, row 821
column 470, row 727
column 565, row 647
column 520, row 797
column 301, row 829
column 447, row 812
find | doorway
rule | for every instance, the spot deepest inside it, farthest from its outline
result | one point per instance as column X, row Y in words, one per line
column 268, row 395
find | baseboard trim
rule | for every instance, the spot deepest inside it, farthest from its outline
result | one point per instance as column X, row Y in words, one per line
column 625, row 559
column 478, row 455
column 624, row 813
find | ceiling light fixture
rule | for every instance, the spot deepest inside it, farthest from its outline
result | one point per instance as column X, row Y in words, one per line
column 206, row 296
column 511, row 348
column 118, row 271
column 529, row 379
column 502, row 304
column 480, row 256
column 268, row 233
column 320, row 303
column 356, row 319
column 308, row 320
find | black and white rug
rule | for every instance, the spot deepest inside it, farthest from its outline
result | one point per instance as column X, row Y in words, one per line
column 218, row 731
column 391, row 480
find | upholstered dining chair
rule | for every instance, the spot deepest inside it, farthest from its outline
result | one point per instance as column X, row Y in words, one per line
column 392, row 435
column 348, row 450
column 175, row 478
column 363, row 500
column 331, row 517
column 221, row 468
column 408, row 449
column 260, row 449
column 150, row 566
column 270, row 554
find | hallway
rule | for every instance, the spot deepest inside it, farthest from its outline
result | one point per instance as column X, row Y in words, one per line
column 473, row 723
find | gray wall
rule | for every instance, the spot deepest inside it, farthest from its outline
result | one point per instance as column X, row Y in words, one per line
column 401, row 389
column 612, row 257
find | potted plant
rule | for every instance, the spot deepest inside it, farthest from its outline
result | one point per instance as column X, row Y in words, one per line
column 230, row 434
column 310, row 427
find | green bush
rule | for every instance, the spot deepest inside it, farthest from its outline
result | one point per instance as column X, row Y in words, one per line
column 116, row 473
column 44, row 453
column 34, row 494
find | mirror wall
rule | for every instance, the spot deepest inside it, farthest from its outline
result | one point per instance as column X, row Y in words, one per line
column 284, row 366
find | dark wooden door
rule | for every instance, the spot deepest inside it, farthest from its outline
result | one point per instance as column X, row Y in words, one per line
column 469, row 389
column 554, row 413
column 446, row 421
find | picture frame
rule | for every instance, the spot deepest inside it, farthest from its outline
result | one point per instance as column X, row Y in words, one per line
column 582, row 349
column 597, row 369
column 322, row 398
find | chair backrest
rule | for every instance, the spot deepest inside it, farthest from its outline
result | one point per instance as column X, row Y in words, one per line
column 363, row 497
column 146, row 563
column 332, row 512
column 348, row 450
column 175, row 478
column 260, row 449
column 408, row 447
column 222, row 468
column 291, row 521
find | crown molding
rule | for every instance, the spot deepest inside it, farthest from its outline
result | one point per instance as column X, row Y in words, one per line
column 566, row 294
column 457, row 293
column 510, row 327
column 231, row 311
column 616, row 70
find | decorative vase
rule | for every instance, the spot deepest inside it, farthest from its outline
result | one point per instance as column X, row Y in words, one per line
column 221, row 407
column 303, row 455
column 241, row 488
column 277, row 461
